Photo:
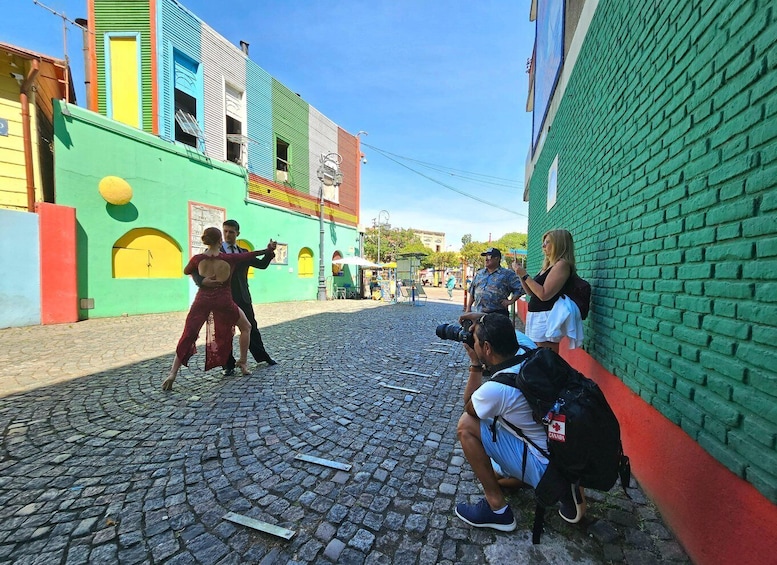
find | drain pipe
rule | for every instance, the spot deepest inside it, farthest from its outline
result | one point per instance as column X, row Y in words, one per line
column 25, row 89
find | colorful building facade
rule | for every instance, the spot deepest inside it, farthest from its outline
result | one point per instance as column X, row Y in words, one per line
column 157, row 67
column 655, row 144
column 191, row 132
column 28, row 83
column 183, row 130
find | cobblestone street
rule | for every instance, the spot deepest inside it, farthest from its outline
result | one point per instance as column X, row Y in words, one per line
column 98, row 465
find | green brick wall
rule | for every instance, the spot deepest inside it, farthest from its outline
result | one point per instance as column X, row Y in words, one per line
column 667, row 178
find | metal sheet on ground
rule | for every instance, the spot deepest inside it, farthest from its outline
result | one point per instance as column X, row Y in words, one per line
column 324, row 462
column 400, row 388
column 413, row 373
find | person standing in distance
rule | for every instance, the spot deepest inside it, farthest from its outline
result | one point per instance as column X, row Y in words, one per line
column 492, row 286
column 450, row 284
column 241, row 294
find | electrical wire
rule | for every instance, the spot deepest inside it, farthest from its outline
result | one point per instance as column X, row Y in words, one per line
column 467, row 175
column 389, row 156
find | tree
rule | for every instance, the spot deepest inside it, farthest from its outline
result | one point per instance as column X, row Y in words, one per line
column 512, row 240
column 466, row 238
column 393, row 241
column 471, row 254
column 443, row 260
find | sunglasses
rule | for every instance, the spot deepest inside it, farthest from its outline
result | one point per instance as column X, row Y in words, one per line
column 482, row 322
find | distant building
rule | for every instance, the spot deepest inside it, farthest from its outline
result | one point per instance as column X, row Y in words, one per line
column 434, row 240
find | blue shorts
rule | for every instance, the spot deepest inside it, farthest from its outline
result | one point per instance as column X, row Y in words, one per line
column 507, row 453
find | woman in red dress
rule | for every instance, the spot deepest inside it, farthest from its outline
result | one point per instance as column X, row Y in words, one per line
column 213, row 304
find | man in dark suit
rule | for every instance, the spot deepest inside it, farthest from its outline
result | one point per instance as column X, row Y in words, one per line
column 242, row 296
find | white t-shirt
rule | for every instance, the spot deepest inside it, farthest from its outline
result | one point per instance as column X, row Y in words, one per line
column 496, row 399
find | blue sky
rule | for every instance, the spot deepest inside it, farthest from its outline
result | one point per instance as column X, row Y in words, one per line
column 442, row 83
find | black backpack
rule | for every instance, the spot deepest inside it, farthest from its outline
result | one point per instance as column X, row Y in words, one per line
column 584, row 445
column 579, row 291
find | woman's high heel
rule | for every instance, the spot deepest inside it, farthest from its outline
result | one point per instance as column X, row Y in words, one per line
column 243, row 368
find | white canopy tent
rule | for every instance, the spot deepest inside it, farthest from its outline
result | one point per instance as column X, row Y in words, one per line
column 358, row 261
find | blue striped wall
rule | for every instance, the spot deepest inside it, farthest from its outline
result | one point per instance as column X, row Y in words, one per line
column 20, row 293
column 259, row 111
column 177, row 29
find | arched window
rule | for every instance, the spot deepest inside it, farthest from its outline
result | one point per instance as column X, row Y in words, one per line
column 146, row 253
column 246, row 245
column 305, row 262
column 337, row 269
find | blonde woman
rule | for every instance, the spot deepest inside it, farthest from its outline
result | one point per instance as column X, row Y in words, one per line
column 544, row 289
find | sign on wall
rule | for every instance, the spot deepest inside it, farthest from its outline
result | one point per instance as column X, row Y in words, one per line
column 203, row 216
column 549, row 53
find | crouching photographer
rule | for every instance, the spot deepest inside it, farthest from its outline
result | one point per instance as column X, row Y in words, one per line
column 490, row 446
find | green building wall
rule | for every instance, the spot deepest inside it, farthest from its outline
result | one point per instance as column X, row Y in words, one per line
column 290, row 123
column 666, row 138
column 125, row 15
column 165, row 178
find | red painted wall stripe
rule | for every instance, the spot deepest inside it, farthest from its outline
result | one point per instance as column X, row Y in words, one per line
column 717, row 516
column 58, row 275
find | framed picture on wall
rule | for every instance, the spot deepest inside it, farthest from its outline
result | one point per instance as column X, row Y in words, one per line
column 203, row 216
column 281, row 255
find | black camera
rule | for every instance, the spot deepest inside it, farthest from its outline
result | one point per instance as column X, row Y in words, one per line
column 455, row 332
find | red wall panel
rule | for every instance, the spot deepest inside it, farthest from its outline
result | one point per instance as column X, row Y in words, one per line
column 58, row 276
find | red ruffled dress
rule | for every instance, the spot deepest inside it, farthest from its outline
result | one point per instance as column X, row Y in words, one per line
column 215, row 306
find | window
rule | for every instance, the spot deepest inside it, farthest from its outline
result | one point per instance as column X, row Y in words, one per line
column 234, row 147
column 146, row 253
column 305, row 263
column 187, row 96
column 188, row 105
column 282, row 166
column 236, row 140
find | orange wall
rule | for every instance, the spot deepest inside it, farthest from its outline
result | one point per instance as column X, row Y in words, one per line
column 59, row 294
column 716, row 516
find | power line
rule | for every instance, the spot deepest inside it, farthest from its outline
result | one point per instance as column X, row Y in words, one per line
column 478, row 177
column 388, row 156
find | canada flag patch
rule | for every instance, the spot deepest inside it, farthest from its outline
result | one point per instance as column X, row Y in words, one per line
column 557, row 429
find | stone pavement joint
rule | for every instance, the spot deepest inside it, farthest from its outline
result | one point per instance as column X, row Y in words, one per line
column 98, row 465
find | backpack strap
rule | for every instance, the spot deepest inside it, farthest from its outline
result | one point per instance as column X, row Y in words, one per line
column 523, row 436
column 624, row 473
column 539, row 522
column 511, row 362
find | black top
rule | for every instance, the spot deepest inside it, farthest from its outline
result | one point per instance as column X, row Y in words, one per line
column 537, row 305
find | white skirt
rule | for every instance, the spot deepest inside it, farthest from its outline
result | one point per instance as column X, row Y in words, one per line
column 537, row 327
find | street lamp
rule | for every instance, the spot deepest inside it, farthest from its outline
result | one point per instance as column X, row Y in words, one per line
column 329, row 174
column 379, row 224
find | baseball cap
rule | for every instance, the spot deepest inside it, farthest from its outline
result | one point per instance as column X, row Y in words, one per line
column 491, row 251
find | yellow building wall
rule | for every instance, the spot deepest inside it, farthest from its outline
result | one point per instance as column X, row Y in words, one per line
column 13, row 177
column 125, row 98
